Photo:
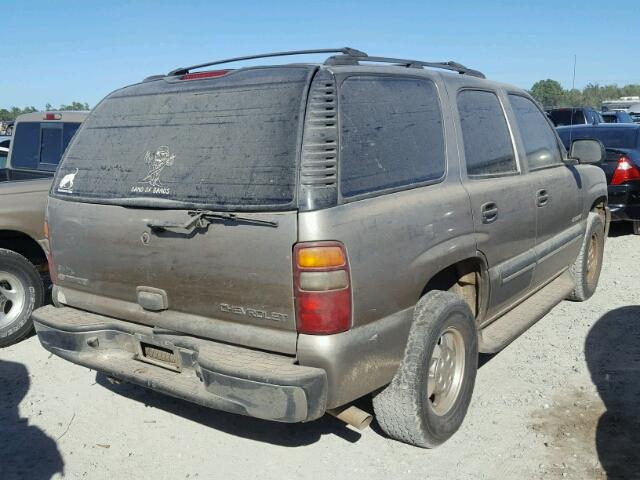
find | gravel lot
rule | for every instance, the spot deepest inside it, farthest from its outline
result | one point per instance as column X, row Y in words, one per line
column 563, row 401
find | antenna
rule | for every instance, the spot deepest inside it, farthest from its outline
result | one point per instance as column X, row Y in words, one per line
column 573, row 109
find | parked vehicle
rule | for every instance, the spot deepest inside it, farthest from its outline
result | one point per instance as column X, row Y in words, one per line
column 616, row 117
column 36, row 148
column 4, row 150
column 574, row 116
column 6, row 128
column 278, row 241
column 621, row 165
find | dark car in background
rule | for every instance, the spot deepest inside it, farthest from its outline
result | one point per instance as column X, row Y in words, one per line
column 616, row 117
column 621, row 166
column 574, row 116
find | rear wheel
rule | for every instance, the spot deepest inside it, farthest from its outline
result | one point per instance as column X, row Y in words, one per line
column 428, row 398
column 21, row 291
column 586, row 269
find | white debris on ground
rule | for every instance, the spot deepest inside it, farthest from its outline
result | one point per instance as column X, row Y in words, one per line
column 538, row 412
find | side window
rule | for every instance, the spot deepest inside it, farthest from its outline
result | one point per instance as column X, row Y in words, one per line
column 50, row 145
column 68, row 131
column 26, row 145
column 391, row 133
column 537, row 135
column 488, row 149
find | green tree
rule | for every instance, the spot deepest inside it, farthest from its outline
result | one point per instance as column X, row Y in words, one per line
column 571, row 98
column 11, row 114
column 74, row 106
column 548, row 92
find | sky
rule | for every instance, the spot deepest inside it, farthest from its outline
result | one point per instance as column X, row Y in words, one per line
column 63, row 51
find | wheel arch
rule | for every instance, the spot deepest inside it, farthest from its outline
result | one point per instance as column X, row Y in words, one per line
column 23, row 244
column 467, row 277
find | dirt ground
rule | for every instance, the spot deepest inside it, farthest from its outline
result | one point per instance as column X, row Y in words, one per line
column 562, row 401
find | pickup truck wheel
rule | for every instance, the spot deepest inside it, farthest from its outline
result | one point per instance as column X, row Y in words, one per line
column 21, row 291
column 586, row 269
column 428, row 398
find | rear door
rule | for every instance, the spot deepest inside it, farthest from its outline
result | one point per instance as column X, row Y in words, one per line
column 557, row 191
column 500, row 192
column 152, row 155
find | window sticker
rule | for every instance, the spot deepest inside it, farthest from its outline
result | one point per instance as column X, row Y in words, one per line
column 156, row 161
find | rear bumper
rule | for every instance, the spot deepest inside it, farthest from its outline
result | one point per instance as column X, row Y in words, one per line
column 624, row 201
column 216, row 375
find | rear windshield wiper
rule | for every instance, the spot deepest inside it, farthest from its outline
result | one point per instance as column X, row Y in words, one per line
column 200, row 219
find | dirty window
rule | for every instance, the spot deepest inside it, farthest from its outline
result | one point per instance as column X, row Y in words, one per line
column 228, row 142
column 391, row 133
column 488, row 148
column 537, row 135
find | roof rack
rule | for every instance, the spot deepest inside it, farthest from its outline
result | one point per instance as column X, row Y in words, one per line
column 347, row 59
column 349, row 56
column 351, row 52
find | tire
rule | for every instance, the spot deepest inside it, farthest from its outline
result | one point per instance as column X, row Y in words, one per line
column 585, row 272
column 21, row 292
column 636, row 227
column 404, row 409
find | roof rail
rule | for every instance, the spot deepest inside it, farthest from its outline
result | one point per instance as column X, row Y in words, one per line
column 346, row 51
column 350, row 59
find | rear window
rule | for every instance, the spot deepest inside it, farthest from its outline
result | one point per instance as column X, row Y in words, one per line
column 564, row 117
column 230, row 142
column 610, row 137
column 390, row 134
column 40, row 145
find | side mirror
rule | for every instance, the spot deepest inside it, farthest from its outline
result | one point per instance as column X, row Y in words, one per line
column 588, row 151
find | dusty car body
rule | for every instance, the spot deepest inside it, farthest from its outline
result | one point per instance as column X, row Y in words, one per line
column 309, row 232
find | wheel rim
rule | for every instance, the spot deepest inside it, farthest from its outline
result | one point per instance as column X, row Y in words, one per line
column 592, row 259
column 446, row 371
column 12, row 298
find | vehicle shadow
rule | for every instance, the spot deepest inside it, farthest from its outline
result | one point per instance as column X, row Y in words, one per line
column 620, row 229
column 25, row 450
column 283, row 434
column 612, row 351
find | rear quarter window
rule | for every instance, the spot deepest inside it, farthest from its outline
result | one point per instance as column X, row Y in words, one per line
column 391, row 134
column 568, row 116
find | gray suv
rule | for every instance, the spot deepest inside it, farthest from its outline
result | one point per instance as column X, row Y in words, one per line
column 278, row 241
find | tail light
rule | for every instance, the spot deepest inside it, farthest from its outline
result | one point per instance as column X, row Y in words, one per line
column 625, row 171
column 52, row 266
column 52, row 116
column 199, row 75
column 322, row 288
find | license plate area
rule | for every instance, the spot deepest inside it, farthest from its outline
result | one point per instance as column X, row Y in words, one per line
column 163, row 354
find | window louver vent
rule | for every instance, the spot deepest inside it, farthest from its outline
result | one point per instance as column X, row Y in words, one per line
column 320, row 144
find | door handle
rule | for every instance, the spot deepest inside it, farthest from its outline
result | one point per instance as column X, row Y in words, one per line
column 489, row 212
column 542, row 198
